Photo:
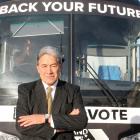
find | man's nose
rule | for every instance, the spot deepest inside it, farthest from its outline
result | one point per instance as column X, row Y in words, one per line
column 49, row 70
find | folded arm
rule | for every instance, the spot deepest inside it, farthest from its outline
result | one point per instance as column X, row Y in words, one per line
column 76, row 120
column 31, row 125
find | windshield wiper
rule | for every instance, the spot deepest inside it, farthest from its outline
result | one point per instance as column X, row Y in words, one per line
column 101, row 84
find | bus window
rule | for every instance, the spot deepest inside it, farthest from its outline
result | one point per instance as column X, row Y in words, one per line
column 105, row 55
column 21, row 39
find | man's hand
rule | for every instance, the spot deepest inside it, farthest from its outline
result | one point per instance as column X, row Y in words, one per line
column 29, row 120
column 75, row 112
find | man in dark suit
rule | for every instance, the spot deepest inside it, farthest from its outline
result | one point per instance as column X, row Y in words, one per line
column 33, row 120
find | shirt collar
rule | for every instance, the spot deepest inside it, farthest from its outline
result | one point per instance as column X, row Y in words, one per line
column 53, row 86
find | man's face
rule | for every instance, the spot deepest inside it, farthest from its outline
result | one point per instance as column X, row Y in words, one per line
column 48, row 69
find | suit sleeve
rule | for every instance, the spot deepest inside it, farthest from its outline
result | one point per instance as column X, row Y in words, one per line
column 23, row 108
column 69, row 122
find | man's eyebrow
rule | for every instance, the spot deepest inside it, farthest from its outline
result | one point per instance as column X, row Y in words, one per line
column 50, row 64
column 54, row 64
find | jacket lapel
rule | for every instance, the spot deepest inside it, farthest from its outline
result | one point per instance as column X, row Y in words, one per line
column 59, row 97
column 40, row 95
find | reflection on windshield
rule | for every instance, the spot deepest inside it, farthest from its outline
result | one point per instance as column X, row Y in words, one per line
column 21, row 66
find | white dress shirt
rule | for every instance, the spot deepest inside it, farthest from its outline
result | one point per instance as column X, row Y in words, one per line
column 53, row 94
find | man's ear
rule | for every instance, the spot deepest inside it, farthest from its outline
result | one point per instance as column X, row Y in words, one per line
column 37, row 67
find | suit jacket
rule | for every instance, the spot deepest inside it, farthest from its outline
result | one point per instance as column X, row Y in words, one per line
column 32, row 100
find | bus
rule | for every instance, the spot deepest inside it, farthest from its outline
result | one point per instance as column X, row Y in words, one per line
column 100, row 43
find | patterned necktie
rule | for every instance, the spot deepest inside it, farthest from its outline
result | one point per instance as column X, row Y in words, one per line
column 49, row 98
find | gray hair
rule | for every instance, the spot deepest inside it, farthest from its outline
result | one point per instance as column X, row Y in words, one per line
column 51, row 51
